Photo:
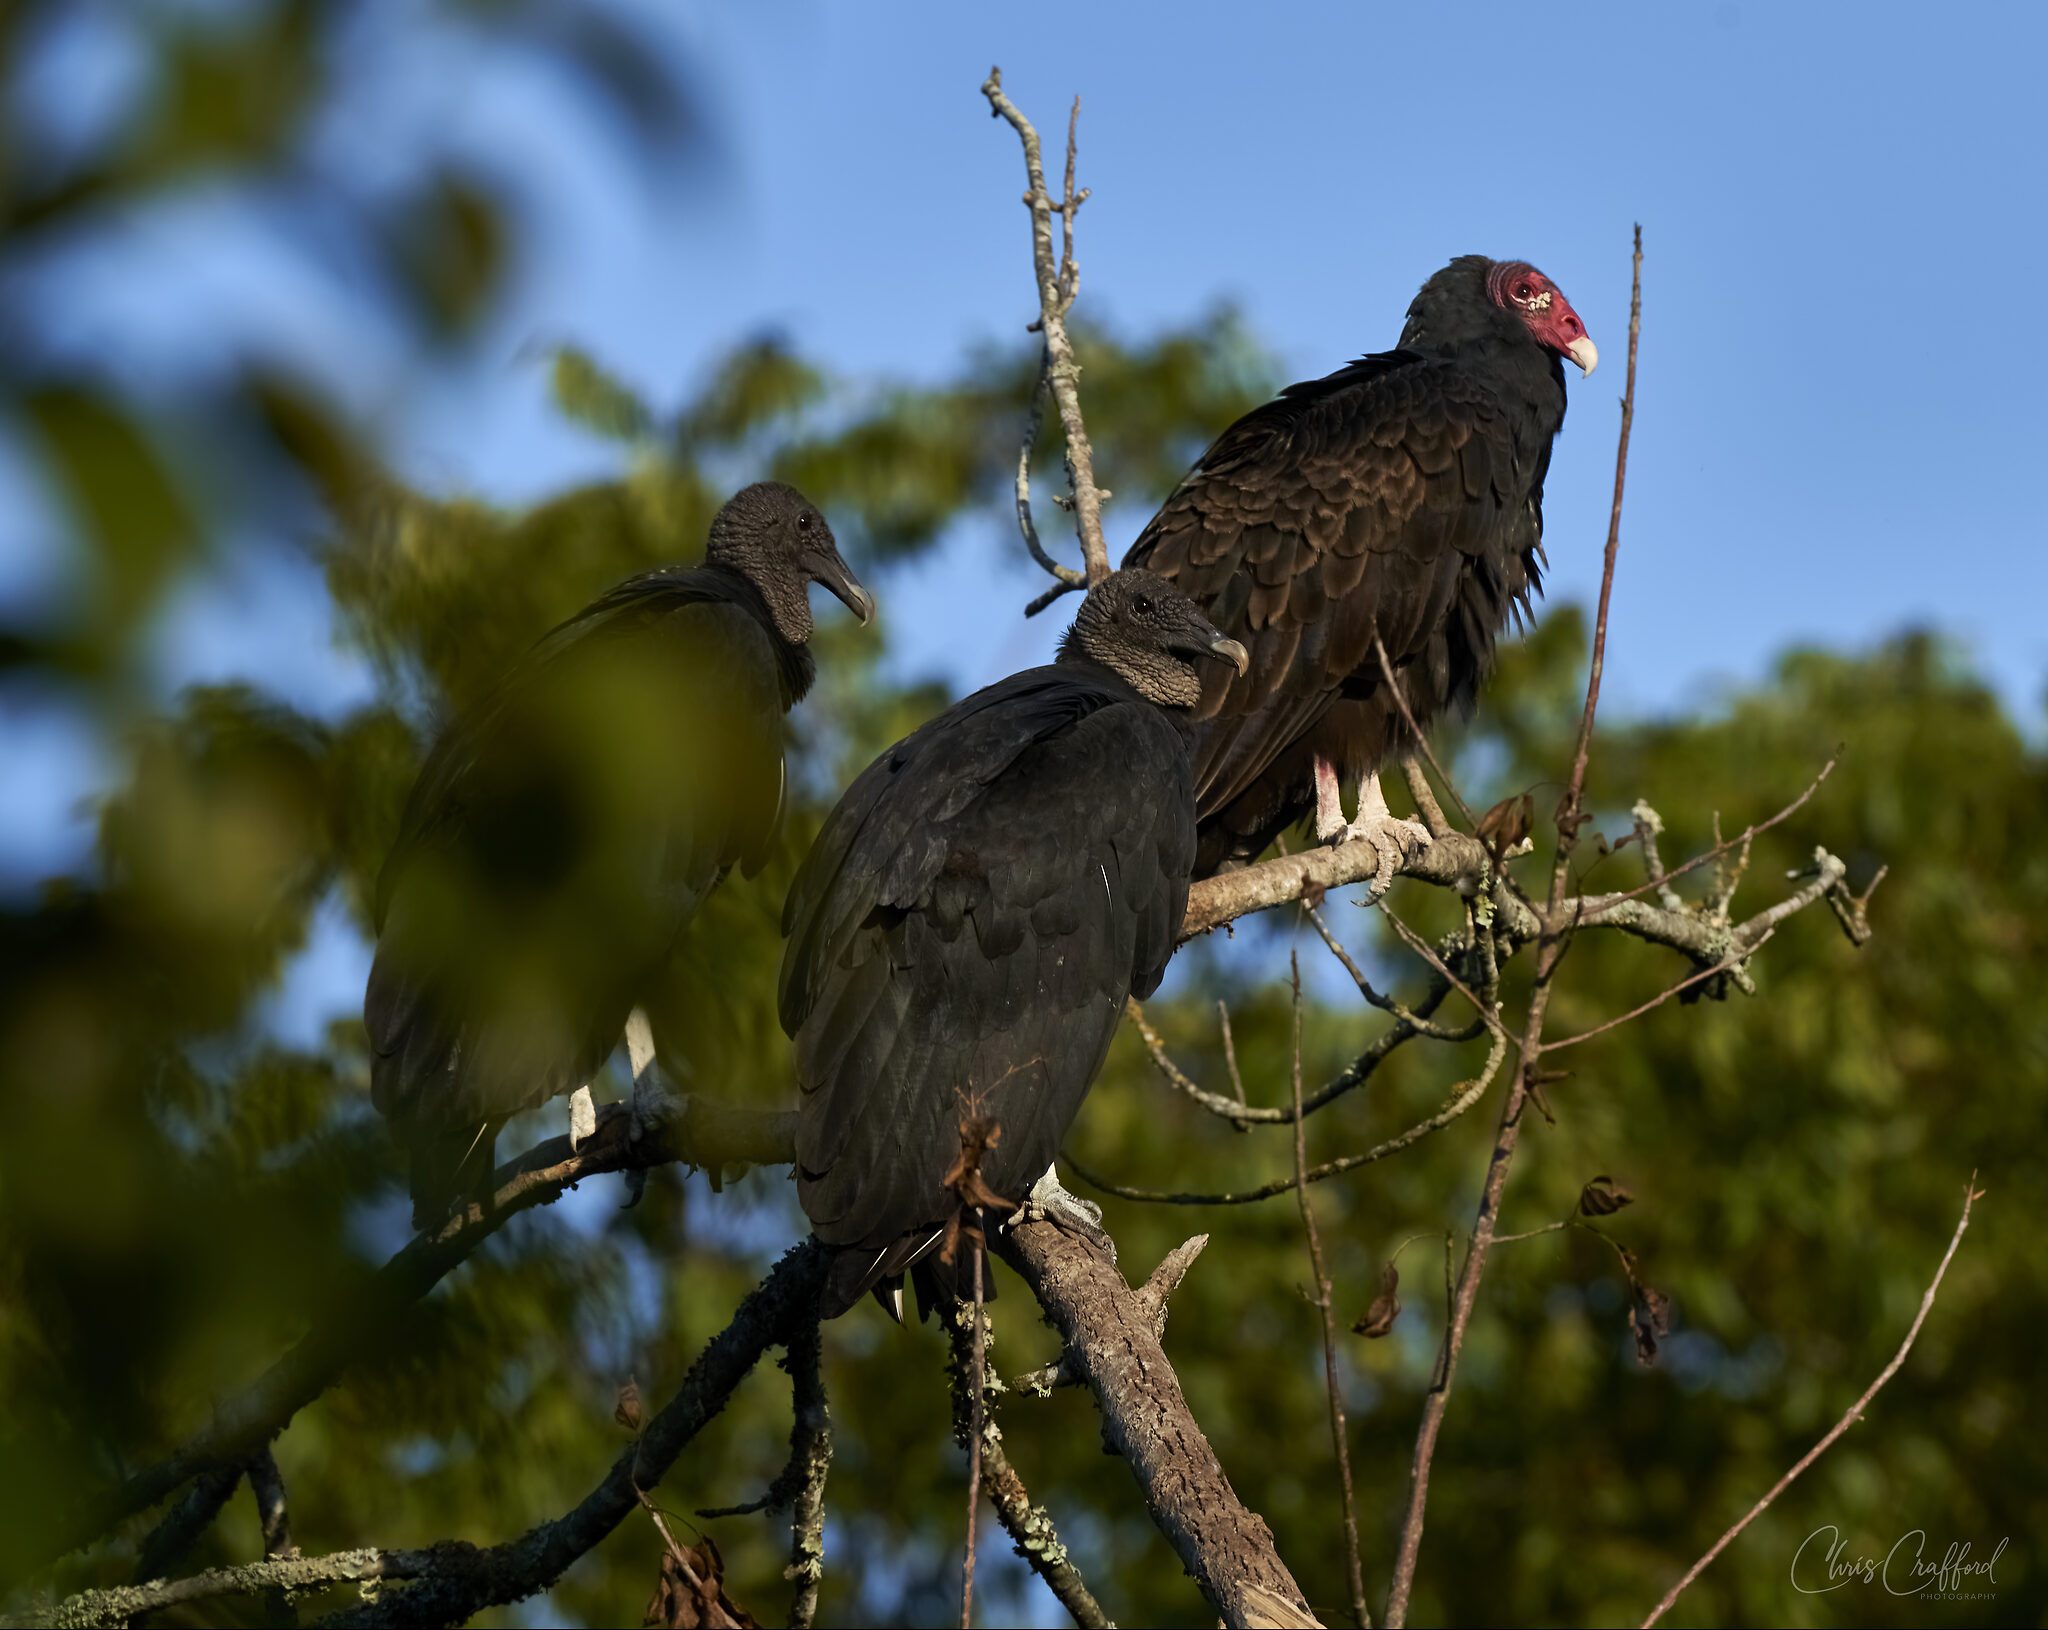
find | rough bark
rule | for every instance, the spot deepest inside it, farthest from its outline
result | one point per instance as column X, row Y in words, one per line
column 1114, row 1346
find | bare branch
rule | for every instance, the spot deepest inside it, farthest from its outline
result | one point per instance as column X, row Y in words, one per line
column 810, row 1446
column 1971, row 1194
column 1462, row 1098
column 1725, row 965
column 975, row 1427
column 1058, row 281
column 1152, row 1297
column 1568, row 810
column 1456, row 860
column 172, row 1538
column 1038, row 1542
column 452, row 1581
column 1354, row 1074
column 1339, row 1437
column 1649, row 827
column 1550, row 950
column 1226, row 1548
column 273, row 1514
column 698, row 1131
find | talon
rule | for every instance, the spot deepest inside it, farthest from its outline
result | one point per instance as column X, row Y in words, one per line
column 1049, row 1202
column 582, row 1118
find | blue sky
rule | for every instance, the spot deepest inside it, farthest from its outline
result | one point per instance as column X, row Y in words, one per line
column 1840, row 416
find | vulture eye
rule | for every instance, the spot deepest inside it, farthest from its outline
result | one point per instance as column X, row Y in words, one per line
column 803, row 523
column 1142, row 605
column 1524, row 292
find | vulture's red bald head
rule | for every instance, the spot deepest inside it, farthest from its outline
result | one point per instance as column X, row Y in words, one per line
column 1517, row 287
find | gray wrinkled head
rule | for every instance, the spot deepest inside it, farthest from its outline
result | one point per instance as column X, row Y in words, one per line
column 774, row 536
column 1143, row 629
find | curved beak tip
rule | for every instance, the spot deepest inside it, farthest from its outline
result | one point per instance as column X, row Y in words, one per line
column 843, row 586
column 1585, row 353
column 1233, row 653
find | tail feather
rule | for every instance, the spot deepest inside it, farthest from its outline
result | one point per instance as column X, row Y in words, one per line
column 858, row 1271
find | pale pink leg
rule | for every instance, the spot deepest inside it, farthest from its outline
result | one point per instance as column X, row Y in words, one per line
column 1329, row 803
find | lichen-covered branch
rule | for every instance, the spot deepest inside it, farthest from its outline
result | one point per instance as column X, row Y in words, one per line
column 810, row 1451
column 1109, row 1334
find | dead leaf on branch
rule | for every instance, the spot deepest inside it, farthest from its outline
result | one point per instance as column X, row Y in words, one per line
column 978, row 1135
column 691, row 1593
column 1505, row 825
column 1649, row 1312
column 1386, row 1307
column 628, row 1412
column 1603, row 1197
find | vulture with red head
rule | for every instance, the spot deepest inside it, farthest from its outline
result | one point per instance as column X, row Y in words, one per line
column 1398, row 500
column 562, row 834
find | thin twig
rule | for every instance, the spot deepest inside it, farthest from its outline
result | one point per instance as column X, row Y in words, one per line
column 1057, row 282
column 1030, row 1527
column 1971, row 1194
column 1588, row 910
column 1582, row 751
column 1728, row 962
column 977, row 1406
column 1339, row 1437
column 1419, row 1023
column 1462, row 1098
column 1353, row 1075
column 1065, row 575
column 1550, row 950
column 1230, row 1052
column 1424, row 795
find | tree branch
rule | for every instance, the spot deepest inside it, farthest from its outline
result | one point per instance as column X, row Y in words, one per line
column 1551, row 948
column 698, row 1131
column 1109, row 1335
column 1058, row 281
column 1339, row 1437
column 1971, row 1194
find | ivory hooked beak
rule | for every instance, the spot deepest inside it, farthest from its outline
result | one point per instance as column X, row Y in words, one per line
column 1585, row 353
column 1233, row 653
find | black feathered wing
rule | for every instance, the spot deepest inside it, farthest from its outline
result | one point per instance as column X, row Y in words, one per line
column 556, row 843
column 1395, row 496
column 962, row 940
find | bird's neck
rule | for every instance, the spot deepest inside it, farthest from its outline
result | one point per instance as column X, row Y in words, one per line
column 795, row 666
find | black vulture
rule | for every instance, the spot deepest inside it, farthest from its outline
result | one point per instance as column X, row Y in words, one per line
column 1401, row 495
column 964, row 932
column 561, row 835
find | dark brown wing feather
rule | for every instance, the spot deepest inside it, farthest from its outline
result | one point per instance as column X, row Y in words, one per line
column 1398, row 496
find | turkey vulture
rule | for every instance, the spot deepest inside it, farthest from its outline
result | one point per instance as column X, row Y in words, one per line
column 964, row 932
column 1403, row 496
column 562, row 834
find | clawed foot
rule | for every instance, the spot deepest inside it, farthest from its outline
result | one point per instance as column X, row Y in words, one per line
column 1394, row 841
column 1049, row 1202
column 582, row 1118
